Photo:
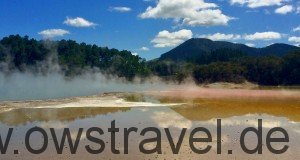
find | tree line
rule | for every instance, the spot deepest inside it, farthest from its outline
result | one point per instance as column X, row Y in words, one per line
column 73, row 58
column 223, row 65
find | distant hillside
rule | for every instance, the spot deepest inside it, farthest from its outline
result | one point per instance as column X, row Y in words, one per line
column 203, row 60
column 195, row 47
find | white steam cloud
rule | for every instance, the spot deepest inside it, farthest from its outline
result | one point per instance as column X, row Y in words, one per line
column 27, row 86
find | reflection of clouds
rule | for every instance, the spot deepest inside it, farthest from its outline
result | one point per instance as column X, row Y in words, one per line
column 167, row 119
column 251, row 120
column 297, row 130
column 150, row 145
column 296, row 127
column 3, row 109
column 59, row 128
column 53, row 124
column 144, row 109
column 75, row 133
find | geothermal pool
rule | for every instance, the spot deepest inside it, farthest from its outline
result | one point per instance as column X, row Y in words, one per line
column 172, row 109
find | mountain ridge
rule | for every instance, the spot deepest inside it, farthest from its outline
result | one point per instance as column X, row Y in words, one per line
column 194, row 47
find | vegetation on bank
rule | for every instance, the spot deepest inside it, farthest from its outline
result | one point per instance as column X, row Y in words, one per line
column 221, row 65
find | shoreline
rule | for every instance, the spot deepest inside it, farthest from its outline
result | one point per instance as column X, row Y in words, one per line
column 220, row 90
column 157, row 98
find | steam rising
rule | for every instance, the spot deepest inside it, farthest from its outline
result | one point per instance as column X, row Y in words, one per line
column 46, row 80
column 25, row 86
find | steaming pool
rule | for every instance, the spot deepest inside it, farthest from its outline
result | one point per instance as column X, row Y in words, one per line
column 175, row 110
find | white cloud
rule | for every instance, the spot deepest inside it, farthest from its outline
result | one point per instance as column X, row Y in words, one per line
column 144, row 49
column 257, row 3
column 134, row 54
column 120, row 9
column 189, row 12
column 51, row 33
column 284, row 9
column 297, row 45
column 221, row 36
column 79, row 22
column 252, row 37
column 294, row 39
column 171, row 39
column 296, row 29
column 250, row 44
column 263, row 36
column 298, row 8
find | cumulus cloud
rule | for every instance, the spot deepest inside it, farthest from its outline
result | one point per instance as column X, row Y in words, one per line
column 79, row 22
column 294, row 39
column 188, row 12
column 266, row 36
column 171, row 39
column 120, row 9
column 221, row 36
column 257, row 3
column 284, row 9
column 252, row 37
column 250, row 44
column 51, row 33
column 296, row 29
column 144, row 49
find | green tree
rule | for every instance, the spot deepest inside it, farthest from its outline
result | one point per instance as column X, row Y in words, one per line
column 219, row 72
column 291, row 69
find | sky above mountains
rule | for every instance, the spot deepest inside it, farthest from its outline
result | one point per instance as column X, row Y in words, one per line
column 151, row 27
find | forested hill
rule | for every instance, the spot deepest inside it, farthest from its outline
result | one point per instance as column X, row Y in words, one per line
column 203, row 60
column 22, row 53
column 196, row 49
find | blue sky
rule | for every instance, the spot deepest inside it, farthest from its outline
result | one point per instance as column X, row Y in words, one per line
column 152, row 27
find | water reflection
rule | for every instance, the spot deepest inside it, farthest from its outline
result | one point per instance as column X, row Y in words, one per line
column 22, row 116
column 206, row 109
column 236, row 115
